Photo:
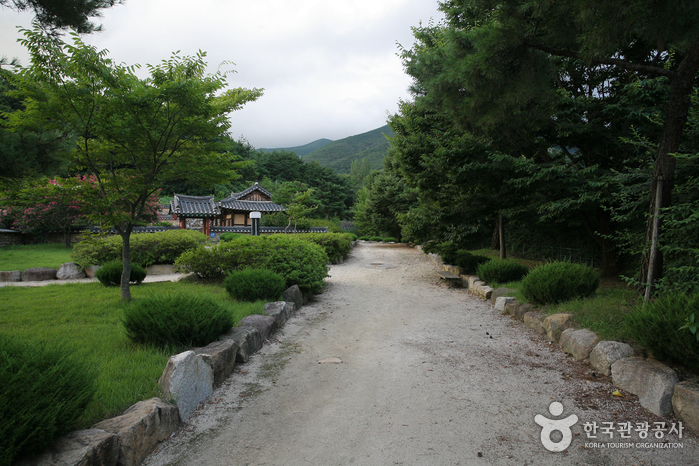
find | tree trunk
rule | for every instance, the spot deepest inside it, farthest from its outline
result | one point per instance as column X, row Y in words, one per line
column 126, row 259
column 681, row 86
column 501, row 236
column 610, row 258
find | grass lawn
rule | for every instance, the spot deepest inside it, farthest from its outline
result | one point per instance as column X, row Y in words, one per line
column 34, row 255
column 86, row 318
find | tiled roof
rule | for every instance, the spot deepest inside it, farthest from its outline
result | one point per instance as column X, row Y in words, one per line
column 194, row 206
column 250, row 206
column 255, row 187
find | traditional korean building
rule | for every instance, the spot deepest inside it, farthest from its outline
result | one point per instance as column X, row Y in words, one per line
column 229, row 212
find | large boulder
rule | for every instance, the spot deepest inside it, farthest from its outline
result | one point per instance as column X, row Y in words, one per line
column 279, row 311
column 294, row 295
column 160, row 269
column 220, row 355
column 69, row 271
column 10, row 276
column 141, row 428
column 606, row 353
column 91, row 447
column 91, row 270
column 535, row 320
column 652, row 381
column 266, row 325
column 556, row 323
column 685, row 404
column 38, row 274
column 578, row 343
column 290, row 308
column 189, row 379
column 248, row 339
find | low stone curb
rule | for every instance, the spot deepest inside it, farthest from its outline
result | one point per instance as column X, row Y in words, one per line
column 655, row 384
column 70, row 271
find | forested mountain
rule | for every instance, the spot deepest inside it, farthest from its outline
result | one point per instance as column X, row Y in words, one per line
column 302, row 150
column 340, row 154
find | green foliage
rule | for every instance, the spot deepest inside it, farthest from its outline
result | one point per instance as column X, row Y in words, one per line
column 176, row 320
column 691, row 325
column 162, row 247
column 110, row 273
column 470, row 262
column 299, row 262
column 44, row 391
column 557, row 282
column 389, row 239
column 501, row 271
column 336, row 245
column 229, row 237
column 375, row 238
column 254, row 284
column 655, row 326
column 340, row 154
column 364, row 238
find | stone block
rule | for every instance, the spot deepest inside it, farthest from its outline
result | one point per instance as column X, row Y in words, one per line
column 266, row 325
column 141, row 428
column 38, row 274
column 290, row 308
column 160, row 269
column 486, row 292
column 606, row 353
column 556, row 323
column 69, row 271
column 472, row 279
column 279, row 311
column 10, row 276
column 578, row 343
column 500, row 292
column 464, row 280
column 248, row 339
column 91, row 271
column 502, row 301
column 455, row 269
column 521, row 309
column 189, row 379
column 220, row 355
column 685, row 404
column 652, row 381
column 90, row 447
column 535, row 320
column 294, row 295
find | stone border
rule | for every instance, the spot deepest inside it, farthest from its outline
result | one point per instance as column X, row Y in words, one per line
column 188, row 380
column 71, row 271
column 656, row 385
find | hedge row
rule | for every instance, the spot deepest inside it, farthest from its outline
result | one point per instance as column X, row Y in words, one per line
column 336, row 245
column 162, row 247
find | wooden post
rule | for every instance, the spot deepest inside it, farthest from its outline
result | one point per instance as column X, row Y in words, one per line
column 183, row 223
column 654, row 242
column 206, row 226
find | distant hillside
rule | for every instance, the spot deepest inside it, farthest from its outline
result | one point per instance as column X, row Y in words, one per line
column 305, row 149
column 340, row 154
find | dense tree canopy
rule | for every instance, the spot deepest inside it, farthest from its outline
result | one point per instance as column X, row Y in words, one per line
column 53, row 15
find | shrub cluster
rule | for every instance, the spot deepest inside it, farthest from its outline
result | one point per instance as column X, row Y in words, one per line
column 162, row 247
column 501, row 271
column 110, row 273
column 557, row 282
column 254, row 284
column 469, row 262
column 44, row 391
column 175, row 320
column 336, row 245
column 230, row 236
column 656, row 324
column 300, row 262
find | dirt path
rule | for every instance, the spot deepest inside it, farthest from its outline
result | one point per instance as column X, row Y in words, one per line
column 429, row 376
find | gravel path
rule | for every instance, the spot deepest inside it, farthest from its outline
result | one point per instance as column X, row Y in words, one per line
column 428, row 376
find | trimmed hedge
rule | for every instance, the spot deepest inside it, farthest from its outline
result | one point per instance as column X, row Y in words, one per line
column 176, row 320
column 655, row 326
column 44, row 391
column 336, row 245
column 162, row 247
column 110, row 273
column 557, row 282
column 501, row 271
column 300, row 262
column 254, row 284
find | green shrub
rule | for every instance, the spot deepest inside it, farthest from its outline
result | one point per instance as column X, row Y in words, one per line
column 162, row 247
column 389, row 239
column 364, row 238
column 447, row 251
column 230, row 236
column 656, row 325
column 336, row 245
column 374, row 238
column 254, row 284
column 110, row 273
column 352, row 236
column 557, row 282
column 300, row 262
column 469, row 262
column 176, row 320
column 501, row 271
column 44, row 391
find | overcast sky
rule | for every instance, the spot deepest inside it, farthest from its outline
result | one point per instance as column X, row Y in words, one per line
column 328, row 67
